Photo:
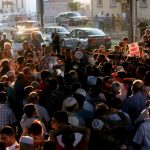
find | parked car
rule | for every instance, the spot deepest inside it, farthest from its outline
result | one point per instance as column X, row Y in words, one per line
column 17, row 44
column 47, row 32
column 86, row 38
column 71, row 18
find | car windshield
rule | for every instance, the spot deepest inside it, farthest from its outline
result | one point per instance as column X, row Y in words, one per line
column 95, row 32
column 24, row 24
column 27, row 37
column 61, row 30
column 74, row 14
column 52, row 30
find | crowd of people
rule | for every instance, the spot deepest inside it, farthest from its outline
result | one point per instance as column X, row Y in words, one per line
column 74, row 99
column 115, row 22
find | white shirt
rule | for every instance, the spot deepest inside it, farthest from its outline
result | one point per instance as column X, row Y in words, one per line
column 142, row 135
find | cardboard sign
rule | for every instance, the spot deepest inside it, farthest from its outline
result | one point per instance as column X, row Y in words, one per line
column 134, row 49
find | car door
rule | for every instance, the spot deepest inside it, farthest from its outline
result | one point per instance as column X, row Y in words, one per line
column 78, row 37
column 47, row 32
column 69, row 40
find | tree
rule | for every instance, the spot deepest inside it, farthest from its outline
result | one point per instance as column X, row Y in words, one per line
column 74, row 6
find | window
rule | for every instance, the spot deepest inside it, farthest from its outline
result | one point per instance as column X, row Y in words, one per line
column 143, row 3
column 99, row 2
column 112, row 3
column 72, row 34
column 79, row 33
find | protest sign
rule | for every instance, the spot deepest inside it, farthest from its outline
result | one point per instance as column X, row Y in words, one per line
column 134, row 49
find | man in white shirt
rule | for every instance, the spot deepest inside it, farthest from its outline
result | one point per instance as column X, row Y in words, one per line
column 8, row 138
column 142, row 138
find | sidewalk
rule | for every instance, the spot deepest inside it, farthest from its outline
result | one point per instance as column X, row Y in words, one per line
column 117, row 35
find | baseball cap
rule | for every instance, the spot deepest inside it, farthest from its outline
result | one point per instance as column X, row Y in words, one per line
column 27, row 140
column 120, row 68
column 73, row 120
column 70, row 101
column 81, row 92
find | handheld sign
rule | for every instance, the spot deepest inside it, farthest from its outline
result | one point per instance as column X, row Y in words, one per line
column 134, row 49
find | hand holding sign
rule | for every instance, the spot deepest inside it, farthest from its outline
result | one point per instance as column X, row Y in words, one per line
column 134, row 49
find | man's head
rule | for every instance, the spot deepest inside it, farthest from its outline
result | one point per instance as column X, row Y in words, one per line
column 7, row 46
column 45, row 74
column 7, row 136
column 52, row 84
column 5, row 62
column 20, row 60
column 137, row 86
column 147, row 32
column 3, row 97
column 11, row 76
column 35, row 131
column 27, row 73
column 26, row 45
column 125, row 40
column 59, row 118
column 33, row 35
column 30, row 110
column 47, row 50
column 27, row 91
column 33, row 97
column 117, row 48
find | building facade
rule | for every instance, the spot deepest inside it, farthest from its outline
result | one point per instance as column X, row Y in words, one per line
column 20, row 6
column 11, row 6
column 119, row 7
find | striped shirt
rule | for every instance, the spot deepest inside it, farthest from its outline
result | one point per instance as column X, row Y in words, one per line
column 7, row 116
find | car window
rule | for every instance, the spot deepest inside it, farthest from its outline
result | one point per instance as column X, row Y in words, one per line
column 64, row 16
column 73, row 14
column 95, row 32
column 22, row 38
column 27, row 24
column 72, row 34
column 48, row 31
column 79, row 33
column 62, row 30
column 27, row 37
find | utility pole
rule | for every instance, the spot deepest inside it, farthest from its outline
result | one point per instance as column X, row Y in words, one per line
column 40, row 11
column 134, row 11
column 132, row 20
